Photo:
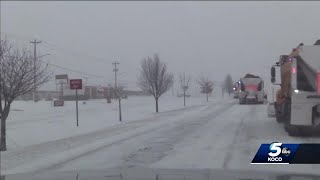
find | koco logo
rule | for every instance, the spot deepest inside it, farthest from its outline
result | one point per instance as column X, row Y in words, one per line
column 275, row 150
column 274, row 158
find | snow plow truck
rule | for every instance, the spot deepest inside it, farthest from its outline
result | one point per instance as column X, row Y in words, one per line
column 297, row 103
column 251, row 90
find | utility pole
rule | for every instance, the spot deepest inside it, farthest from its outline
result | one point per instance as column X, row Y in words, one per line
column 115, row 70
column 35, row 42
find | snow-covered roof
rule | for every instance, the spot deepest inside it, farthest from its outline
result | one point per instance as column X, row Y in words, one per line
column 311, row 55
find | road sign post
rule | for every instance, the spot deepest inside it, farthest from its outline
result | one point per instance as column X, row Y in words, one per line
column 77, row 107
column 76, row 84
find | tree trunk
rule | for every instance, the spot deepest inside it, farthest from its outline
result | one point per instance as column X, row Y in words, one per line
column 184, row 99
column 3, row 143
column 207, row 97
column 157, row 107
column 4, row 115
column 120, row 113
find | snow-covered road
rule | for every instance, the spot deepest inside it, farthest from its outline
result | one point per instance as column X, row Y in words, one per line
column 219, row 135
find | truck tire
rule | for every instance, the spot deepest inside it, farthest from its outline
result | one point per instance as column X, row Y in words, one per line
column 293, row 130
column 283, row 113
column 287, row 112
column 278, row 113
column 279, row 119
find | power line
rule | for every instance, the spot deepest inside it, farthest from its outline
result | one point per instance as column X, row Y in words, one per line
column 75, row 53
column 63, row 50
column 24, row 38
column 68, row 69
column 75, row 71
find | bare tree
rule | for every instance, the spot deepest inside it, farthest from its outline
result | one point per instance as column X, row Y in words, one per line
column 228, row 84
column 206, row 86
column 154, row 78
column 184, row 86
column 17, row 74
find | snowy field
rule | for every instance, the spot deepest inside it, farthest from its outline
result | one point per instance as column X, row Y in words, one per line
column 220, row 134
column 34, row 123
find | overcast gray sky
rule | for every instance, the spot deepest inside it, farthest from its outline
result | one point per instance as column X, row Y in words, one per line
column 211, row 38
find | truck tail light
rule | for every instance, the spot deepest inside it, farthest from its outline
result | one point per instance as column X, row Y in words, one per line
column 318, row 82
column 294, row 70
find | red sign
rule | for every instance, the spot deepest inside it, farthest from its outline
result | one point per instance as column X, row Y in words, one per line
column 58, row 103
column 75, row 83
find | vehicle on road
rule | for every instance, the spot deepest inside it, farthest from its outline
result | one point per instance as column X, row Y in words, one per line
column 251, row 90
column 236, row 88
column 298, row 99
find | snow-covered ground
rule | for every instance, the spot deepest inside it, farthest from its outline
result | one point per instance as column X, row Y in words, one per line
column 220, row 134
column 33, row 123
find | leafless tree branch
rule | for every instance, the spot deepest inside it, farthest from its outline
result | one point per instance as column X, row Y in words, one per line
column 206, row 86
column 154, row 78
column 18, row 75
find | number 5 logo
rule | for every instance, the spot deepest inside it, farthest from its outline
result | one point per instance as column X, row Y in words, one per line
column 275, row 149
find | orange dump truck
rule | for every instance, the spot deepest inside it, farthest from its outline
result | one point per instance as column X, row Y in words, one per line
column 298, row 99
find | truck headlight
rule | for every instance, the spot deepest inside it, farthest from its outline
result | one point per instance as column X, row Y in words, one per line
column 296, row 91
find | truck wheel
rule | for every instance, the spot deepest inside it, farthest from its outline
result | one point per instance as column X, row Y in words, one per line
column 315, row 117
column 279, row 118
column 292, row 130
column 278, row 113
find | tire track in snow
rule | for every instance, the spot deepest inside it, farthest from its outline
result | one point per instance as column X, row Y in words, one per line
column 138, row 156
column 206, row 147
column 173, row 136
column 18, row 157
column 231, row 148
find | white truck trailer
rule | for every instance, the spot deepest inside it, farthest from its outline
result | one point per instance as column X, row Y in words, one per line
column 251, row 90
